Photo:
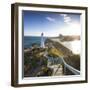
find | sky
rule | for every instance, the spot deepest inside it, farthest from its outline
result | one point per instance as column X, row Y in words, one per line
column 51, row 24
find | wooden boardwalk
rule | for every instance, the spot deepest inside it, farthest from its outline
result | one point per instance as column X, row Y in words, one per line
column 57, row 70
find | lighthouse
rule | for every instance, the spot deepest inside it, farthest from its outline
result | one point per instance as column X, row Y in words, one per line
column 42, row 41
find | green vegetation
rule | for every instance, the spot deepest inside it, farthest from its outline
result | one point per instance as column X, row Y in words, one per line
column 54, row 52
column 73, row 60
column 26, row 59
column 45, row 71
column 34, row 60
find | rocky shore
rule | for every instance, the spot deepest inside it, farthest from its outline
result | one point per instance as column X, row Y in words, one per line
column 36, row 59
column 65, row 51
column 69, row 57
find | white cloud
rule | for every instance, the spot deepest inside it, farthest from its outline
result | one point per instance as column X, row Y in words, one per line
column 64, row 15
column 67, row 19
column 50, row 19
column 71, row 29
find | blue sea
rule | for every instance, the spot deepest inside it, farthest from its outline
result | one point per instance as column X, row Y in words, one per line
column 29, row 40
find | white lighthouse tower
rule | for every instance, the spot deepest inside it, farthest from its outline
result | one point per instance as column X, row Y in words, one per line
column 42, row 41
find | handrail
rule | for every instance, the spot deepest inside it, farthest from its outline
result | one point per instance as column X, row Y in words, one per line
column 72, row 69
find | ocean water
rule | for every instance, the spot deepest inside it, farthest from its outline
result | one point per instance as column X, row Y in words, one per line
column 29, row 40
column 74, row 46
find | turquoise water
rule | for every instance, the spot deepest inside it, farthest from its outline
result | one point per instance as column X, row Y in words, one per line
column 29, row 40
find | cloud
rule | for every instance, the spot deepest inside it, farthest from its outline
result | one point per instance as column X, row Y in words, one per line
column 50, row 19
column 67, row 19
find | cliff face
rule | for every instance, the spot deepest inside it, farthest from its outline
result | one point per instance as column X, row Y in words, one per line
column 74, row 61
column 69, row 57
column 69, row 38
column 37, row 60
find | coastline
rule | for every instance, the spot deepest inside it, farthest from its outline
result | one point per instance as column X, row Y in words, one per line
column 36, row 59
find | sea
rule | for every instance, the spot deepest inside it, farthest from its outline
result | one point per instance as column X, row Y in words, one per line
column 29, row 40
column 74, row 46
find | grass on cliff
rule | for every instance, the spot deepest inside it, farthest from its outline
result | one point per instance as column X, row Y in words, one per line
column 54, row 52
column 73, row 60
